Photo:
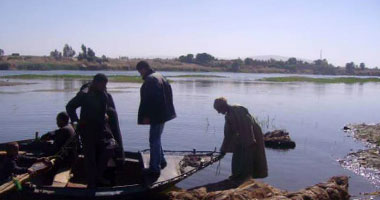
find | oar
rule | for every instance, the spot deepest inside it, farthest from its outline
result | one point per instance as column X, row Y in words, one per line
column 38, row 168
column 16, row 182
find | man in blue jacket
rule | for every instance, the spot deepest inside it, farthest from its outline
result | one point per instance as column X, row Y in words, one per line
column 156, row 108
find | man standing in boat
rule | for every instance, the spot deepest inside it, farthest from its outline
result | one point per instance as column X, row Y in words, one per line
column 94, row 128
column 242, row 137
column 156, row 108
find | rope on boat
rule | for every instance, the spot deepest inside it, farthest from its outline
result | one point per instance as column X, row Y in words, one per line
column 218, row 168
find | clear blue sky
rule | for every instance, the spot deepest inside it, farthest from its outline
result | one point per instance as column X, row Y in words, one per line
column 346, row 30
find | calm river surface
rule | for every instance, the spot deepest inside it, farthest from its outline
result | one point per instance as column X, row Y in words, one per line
column 314, row 114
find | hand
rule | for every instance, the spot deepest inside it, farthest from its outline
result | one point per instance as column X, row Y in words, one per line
column 146, row 121
column 106, row 118
column 75, row 124
column 31, row 171
column 43, row 159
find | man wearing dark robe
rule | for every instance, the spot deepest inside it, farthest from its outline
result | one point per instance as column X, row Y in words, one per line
column 95, row 131
column 242, row 137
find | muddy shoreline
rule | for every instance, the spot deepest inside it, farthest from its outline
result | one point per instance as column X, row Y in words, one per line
column 364, row 162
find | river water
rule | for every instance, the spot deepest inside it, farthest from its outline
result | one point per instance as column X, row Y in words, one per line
column 314, row 115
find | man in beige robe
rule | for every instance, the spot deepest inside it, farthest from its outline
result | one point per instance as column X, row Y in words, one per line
column 242, row 137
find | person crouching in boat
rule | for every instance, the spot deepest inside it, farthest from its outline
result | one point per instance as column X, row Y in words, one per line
column 59, row 138
column 242, row 137
column 94, row 129
column 14, row 163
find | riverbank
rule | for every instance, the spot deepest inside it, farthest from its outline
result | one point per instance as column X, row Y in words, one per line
column 50, row 63
column 111, row 78
column 335, row 188
column 20, row 62
column 320, row 80
column 365, row 162
column 7, row 83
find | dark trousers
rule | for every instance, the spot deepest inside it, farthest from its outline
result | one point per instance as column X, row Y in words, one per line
column 156, row 154
column 96, row 156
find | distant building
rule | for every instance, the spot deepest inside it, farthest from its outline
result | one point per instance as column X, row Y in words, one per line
column 15, row 54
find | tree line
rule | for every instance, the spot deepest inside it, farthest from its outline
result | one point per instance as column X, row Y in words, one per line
column 86, row 54
column 292, row 65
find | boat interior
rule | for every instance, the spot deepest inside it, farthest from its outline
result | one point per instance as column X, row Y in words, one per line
column 130, row 173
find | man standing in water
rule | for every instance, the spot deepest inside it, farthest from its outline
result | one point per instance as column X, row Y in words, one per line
column 242, row 137
column 97, row 139
column 156, row 108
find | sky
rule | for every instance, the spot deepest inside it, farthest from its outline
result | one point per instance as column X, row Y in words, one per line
column 345, row 30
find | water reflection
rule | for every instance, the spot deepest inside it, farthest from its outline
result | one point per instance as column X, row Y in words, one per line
column 320, row 89
column 312, row 113
column 349, row 89
column 68, row 85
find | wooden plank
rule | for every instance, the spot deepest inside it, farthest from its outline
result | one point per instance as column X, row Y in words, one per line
column 170, row 171
column 62, row 178
column 4, row 153
column 8, row 186
column 75, row 185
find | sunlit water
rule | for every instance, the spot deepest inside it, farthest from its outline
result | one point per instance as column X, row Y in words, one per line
column 314, row 114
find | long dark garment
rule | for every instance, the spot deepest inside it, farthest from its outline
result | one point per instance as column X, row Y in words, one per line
column 243, row 137
column 97, row 151
column 97, row 138
column 115, row 129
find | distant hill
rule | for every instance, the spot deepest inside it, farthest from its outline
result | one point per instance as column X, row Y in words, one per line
column 279, row 58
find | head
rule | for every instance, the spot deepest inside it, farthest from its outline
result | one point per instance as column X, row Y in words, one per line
column 99, row 82
column 62, row 119
column 221, row 105
column 143, row 68
column 12, row 149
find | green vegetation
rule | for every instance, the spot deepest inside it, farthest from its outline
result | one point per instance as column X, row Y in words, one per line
column 7, row 83
column 86, row 59
column 292, row 65
column 126, row 79
column 87, row 54
column 112, row 78
column 321, row 80
column 196, row 76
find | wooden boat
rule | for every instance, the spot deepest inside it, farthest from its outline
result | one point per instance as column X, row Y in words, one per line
column 127, row 180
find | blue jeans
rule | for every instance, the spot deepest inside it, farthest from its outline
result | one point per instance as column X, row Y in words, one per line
column 156, row 154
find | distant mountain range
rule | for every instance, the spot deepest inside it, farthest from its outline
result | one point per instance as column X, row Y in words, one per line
column 276, row 57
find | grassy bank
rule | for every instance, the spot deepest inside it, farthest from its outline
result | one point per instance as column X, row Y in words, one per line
column 197, row 76
column 320, row 80
column 7, row 83
column 112, row 78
